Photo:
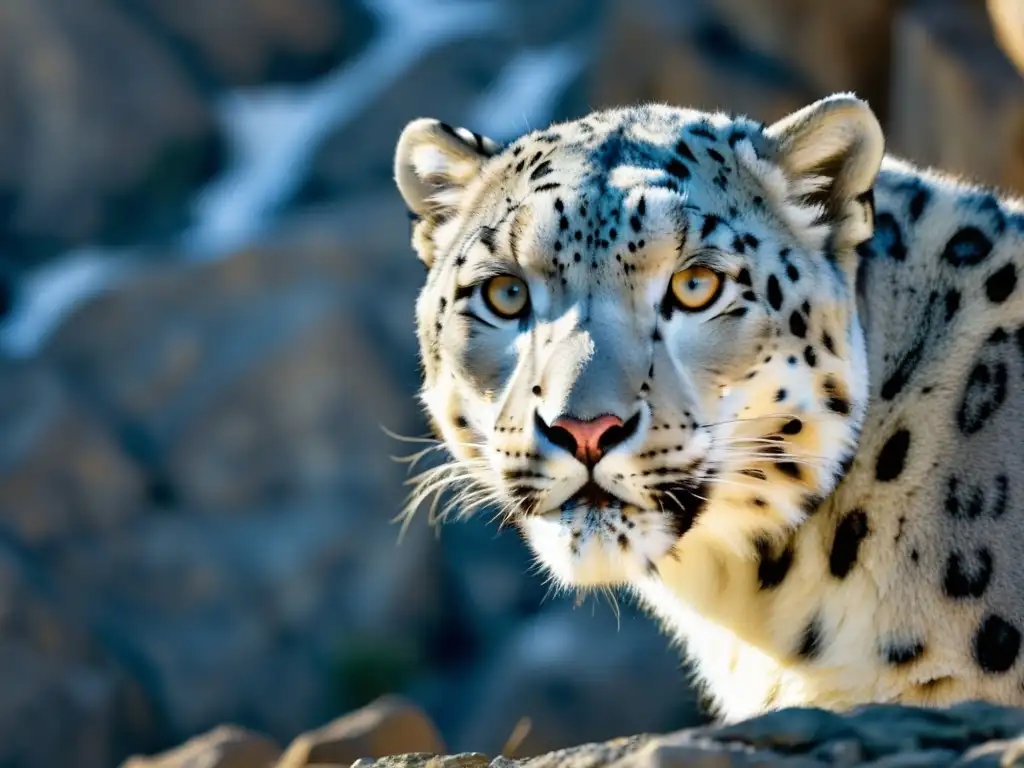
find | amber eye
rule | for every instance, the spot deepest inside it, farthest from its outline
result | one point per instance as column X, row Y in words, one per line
column 506, row 296
column 695, row 288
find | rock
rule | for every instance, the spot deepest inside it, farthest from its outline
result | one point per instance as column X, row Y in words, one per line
column 680, row 54
column 262, row 577
column 1008, row 23
column 554, row 669
column 62, row 694
column 259, row 376
column 62, row 471
column 235, row 43
column 224, row 747
column 952, row 85
column 87, row 153
column 388, row 726
column 443, row 84
column 969, row 734
column 833, row 47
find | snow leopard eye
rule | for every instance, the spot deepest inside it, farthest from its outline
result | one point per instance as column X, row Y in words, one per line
column 506, row 296
column 696, row 287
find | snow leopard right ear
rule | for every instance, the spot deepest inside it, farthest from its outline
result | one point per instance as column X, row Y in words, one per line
column 832, row 150
column 434, row 163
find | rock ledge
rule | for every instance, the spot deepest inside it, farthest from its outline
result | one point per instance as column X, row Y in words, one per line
column 970, row 734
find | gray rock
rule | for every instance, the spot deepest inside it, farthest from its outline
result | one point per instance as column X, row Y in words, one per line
column 253, row 42
column 557, row 666
column 102, row 134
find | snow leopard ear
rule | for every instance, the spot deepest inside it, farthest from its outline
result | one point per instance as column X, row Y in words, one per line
column 434, row 162
column 831, row 151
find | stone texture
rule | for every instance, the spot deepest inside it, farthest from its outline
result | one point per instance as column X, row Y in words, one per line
column 101, row 133
column 250, row 42
column 957, row 102
column 443, row 84
column 1008, row 23
column 224, row 747
column 678, row 53
column 764, row 60
column 62, row 693
column 249, row 394
column 385, row 727
column 62, row 472
column 973, row 734
column 552, row 672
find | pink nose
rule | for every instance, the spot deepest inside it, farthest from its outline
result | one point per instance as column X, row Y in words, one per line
column 588, row 435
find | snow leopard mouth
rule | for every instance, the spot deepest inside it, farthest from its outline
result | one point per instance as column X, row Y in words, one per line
column 591, row 496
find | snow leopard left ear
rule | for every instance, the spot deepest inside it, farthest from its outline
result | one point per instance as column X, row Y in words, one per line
column 831, row 151
column 434, row 163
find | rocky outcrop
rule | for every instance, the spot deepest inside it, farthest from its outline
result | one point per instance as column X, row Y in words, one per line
column 972, row 734
column 947, row 66
column 196, row 485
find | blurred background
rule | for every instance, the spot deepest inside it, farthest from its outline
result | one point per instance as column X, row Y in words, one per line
column 206, row 293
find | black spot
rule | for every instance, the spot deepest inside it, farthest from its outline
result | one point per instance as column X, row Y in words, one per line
column 963, row 506
column 743, row 278
column 790, row 469
column 893, row 456
column 559, row 205
column 792, row 427
column 780, row 395
column 810, row 503
column 996, row 644
column 1001, row 283
column 952, row 303
column 809, row 357
column 772, row 568
column 792, row 273
column 850, row 532
column 797, row 325
column 702, row 131
column 684, row 151
column 751, row 241
column 900, row 654
column 969, row 246
column 889, row 236
column 460, row 422
column 962, row 582
column 917, row 203
column 537, row 390
column 826, row 340
column 541, row 170
column 715, row 155
column 908, row 363
column 563, row 223
column 677, row 169
column 711, row 222
column 810, row 646
column 774, row 293
column 635, row 223
column 984, row 393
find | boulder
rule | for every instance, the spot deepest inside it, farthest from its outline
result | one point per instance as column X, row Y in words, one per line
column 957, row 101
column 444, row 84
column 102, row 134
column 576, row 674
column 62, row 471
column 239, row 43
column 261, row 575
column 391, row 725
column 226, row 746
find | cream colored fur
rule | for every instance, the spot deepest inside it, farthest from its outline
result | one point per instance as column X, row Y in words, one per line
column 821, row 499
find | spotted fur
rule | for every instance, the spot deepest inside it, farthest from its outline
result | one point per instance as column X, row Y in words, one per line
column 818, row 488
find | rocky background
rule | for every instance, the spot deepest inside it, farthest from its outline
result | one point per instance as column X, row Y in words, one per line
column 206, row 299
